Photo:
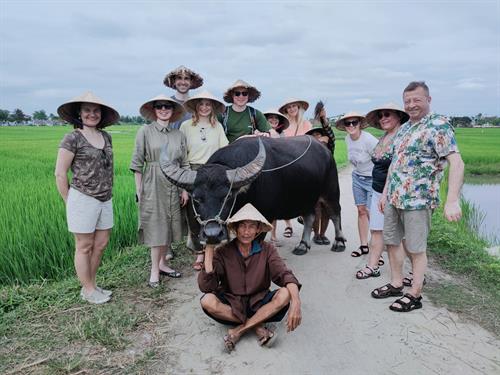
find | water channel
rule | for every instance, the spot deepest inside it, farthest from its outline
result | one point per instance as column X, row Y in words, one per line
column 485, row 195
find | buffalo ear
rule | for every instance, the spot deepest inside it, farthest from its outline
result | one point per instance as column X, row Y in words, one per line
column 242, row 176
column 181, row 177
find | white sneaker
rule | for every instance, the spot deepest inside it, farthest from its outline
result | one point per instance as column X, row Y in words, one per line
column 95, row 297
column 106, row 292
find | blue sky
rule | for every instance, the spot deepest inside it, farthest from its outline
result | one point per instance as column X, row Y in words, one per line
column 354, row 55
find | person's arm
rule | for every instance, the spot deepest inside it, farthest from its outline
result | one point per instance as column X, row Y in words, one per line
column 383, row 197
column 262, row 125
column 208, row 280
column 294, row 312
column 452, row 210
column 138, row 185
column 63, row 163
column 137, row 163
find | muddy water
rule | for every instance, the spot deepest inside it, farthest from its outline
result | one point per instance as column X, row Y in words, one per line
column 486, row 197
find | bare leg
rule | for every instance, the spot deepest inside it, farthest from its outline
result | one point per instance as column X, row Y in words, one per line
column 163, row 266
column 101, row 239
column 363, row 218
column 419, row 265
column 84, row 244
column 155, row 264
column 280, row 299
column 396, row 260
column 218, row 309
column 376, row 248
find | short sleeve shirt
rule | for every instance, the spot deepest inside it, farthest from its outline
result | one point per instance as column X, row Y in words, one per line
column 202, row 140
column 418, row 162
column 240, row 123
column 92, row 167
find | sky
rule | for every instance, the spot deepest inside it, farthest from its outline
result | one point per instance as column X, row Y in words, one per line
column 353, row 55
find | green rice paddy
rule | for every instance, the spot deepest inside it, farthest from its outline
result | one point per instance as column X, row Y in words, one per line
column 35, row 244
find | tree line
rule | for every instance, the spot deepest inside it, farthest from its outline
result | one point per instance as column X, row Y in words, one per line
column 40, row 117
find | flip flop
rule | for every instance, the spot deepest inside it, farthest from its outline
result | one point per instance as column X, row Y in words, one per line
column 269, row 339
column 229, row 343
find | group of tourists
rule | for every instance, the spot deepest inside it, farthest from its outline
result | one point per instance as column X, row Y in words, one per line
column 395, row 183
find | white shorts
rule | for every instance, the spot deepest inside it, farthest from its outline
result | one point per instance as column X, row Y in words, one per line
column 376, row 217
column 85, row 214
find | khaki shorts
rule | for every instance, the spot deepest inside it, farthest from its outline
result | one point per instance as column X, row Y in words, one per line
column 85, row 214
column 412, row 225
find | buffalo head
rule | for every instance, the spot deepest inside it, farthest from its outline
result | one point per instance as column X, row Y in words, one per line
column 213, row 189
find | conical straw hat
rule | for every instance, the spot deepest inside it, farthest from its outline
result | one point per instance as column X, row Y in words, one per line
column 253, row 93
column 196, row 80
column 69, row 111
column 191, row 103
column 249, row 212
column 339, row 124
column 282, row 117
column 300, row 102
column 148, row 112
column 373, row 120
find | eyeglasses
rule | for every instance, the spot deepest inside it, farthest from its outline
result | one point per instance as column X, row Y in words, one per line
column 348, row 124
column 203, row 134
column 381, row 115
column 238, row 93
column 166, row 106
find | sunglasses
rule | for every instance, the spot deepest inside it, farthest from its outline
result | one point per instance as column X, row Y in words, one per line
column 166, row 106
column 381, row 115
column 203, row 135
column 242, row 93
column 348, row 124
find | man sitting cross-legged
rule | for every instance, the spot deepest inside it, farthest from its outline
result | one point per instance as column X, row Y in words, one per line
column 237, row 278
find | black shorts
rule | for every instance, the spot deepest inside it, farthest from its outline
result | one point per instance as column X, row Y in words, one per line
column 278, row 317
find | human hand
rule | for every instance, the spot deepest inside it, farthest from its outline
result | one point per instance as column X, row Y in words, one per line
column 184, row 198
column 294, row 316
column 452, row 211
column 381, row 203
column 263, row 134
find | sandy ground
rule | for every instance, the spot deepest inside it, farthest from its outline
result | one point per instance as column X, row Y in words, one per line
column 344, row 330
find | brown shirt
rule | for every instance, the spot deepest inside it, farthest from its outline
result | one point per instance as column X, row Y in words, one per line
column 92, row 167
column 245, row 281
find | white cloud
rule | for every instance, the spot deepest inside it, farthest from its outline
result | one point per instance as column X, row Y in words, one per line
column 470, row 84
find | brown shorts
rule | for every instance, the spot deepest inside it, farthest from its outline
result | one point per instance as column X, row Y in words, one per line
column 412, row 225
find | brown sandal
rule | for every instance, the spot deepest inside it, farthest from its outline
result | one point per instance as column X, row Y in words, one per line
column 229, row 343
column 388, row 290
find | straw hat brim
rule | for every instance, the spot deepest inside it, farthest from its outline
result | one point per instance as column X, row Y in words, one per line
column 69, row 111
column 302, row 103
column 196, row 79
column 283, row 119
column 373, row 121
column 249, row 212
column 317, row 129
column 253, row 93
column 148, row 112
column 339, row 124
column 192, row 102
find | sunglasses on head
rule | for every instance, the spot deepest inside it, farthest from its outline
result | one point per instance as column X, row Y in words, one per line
column 348, row 124
column 383, row 114
column 160, row 106
column 238, row 93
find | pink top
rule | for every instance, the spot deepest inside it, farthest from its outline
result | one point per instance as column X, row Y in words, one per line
column 303, row 129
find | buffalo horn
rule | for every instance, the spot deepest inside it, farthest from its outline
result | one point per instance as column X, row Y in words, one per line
column 181, row 177
column 246, row 174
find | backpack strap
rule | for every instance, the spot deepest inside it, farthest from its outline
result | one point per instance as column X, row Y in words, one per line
column 225, row 117
column 251, row 111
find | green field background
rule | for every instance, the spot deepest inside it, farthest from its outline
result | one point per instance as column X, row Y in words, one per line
column 34, row 242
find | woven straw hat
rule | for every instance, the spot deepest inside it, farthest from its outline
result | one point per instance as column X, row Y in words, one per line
column 191, row 103
column 317, row 128
column 300, row 102
column 283, row 118
column 253, row 93
column 196, row 80
column 372, row 119
column 148, row 112
column 339, row 124
column 69, row 111
column 249, row 212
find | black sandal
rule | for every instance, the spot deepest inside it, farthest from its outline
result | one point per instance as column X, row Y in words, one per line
column 408, row 280
column 413, row 303
column 387, row 290
column 362, row 274
column 362, row 250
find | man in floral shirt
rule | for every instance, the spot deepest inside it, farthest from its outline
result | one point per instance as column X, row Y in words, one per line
column 422, row 149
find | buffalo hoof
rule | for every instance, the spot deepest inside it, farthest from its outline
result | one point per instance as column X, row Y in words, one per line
column 338, row 246
column 301, row 249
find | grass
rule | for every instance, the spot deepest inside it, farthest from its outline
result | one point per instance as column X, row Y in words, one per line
column 48, row 320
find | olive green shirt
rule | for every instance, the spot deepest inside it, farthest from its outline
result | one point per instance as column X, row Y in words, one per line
column 159, row 202
column 240, row 123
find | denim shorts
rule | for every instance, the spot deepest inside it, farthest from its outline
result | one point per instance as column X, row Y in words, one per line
column 361, row 189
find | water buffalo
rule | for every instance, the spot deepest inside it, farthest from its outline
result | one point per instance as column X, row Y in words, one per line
column 282, row 178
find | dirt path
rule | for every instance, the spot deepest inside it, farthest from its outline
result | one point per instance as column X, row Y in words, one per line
column 344, row 330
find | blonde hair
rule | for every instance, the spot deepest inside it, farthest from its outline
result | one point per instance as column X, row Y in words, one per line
column 212, row 118
column 299, row 119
